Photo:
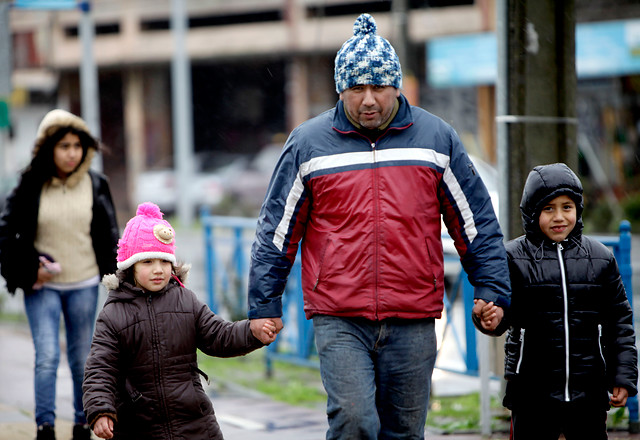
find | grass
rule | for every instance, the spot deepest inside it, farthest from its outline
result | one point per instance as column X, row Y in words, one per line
column 289, row 383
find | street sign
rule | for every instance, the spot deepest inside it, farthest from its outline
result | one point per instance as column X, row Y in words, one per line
column 5, row 120
column 45, row 4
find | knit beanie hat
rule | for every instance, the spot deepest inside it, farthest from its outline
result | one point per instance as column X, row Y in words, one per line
column 366, row 58
column 146, row 236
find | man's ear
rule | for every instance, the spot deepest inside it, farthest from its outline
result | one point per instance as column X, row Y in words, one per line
column 340, row 96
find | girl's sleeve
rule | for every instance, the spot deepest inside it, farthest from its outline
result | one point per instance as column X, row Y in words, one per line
column 101, row 372
column 219, row 337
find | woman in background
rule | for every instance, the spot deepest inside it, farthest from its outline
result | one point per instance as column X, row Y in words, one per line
column 58, row 237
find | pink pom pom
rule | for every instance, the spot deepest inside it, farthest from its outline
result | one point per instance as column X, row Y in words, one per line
column 149, row 209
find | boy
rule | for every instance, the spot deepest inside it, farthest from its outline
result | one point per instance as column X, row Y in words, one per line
column 570, row 351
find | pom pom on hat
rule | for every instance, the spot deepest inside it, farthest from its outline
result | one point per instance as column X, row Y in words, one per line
column 146, row 236
column 366, row 58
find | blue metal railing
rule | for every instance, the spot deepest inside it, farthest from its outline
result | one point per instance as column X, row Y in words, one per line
column 227, row 248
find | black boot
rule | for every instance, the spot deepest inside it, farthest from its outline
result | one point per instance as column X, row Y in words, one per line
column 81, row 432
column 46, row 432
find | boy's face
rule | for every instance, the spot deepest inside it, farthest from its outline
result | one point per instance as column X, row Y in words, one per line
column 152, row 274
column 558, row 218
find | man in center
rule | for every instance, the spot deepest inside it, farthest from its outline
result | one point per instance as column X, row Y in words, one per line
column 364, row 187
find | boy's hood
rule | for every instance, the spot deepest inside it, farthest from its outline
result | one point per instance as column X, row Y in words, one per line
column 545, row 183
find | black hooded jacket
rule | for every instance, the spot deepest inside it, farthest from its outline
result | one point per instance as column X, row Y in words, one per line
column 571, row 330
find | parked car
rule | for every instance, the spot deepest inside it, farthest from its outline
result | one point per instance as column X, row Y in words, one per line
column 206, row 187
column 246, row 187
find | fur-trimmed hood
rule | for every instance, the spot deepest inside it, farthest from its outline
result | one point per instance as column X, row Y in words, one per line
column 112, row 281
column 53, row 121
column 51, row 124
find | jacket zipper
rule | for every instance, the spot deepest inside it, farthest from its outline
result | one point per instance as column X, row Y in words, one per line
column 522, row 330
column 600, row 345
column 156, row 344
column 565, row 298
column 376, row 208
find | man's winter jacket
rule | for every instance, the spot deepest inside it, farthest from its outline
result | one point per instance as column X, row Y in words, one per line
column 142, row 369
column 369, row 217
column 571, row 334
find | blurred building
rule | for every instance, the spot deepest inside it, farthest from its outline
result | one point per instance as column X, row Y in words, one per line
column 260, row 67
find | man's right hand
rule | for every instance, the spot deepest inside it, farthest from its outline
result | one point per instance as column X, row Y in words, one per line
column 258, row 324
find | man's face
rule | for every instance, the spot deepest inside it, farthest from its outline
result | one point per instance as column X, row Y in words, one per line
column 369, row 105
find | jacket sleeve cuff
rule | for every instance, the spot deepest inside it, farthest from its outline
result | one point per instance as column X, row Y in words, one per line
column 490, row 295
column 95, row 418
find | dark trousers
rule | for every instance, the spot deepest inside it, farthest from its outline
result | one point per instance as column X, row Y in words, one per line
column 547, row 419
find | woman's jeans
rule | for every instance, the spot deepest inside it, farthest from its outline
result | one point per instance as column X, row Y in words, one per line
column 377, row 375
column 43, row 308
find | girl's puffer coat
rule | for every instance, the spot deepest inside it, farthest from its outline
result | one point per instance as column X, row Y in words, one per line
column 601, row 350
column 143, row 368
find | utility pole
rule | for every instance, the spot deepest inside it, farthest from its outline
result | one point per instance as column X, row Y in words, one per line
column 6, row 67
column 90, row 96
column 536, row 88
column 182, row 112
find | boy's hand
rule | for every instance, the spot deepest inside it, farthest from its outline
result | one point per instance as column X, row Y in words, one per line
column 619, row 396
column 103, row 427
column 489, row 314
column 266, row 329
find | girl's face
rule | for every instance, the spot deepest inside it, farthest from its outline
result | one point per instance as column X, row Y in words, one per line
column 67, row 155
column 558, row 218
column 153, row 274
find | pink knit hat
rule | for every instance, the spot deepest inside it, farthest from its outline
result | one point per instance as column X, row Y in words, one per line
column 146, row 236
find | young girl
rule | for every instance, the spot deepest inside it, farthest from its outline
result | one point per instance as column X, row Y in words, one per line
column 142, row 378
column 58, row 236
column 570, row 351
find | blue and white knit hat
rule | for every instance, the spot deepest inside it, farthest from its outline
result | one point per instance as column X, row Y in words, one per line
column 366, row 58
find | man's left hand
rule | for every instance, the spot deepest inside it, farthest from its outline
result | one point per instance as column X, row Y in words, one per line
column 489, row 314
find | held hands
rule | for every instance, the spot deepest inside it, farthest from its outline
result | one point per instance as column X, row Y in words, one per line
column 103, row 427
column 266, row 329
column 488, row 314
column 619, row 396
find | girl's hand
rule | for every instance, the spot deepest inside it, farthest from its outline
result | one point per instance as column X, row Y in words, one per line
column 103, row 427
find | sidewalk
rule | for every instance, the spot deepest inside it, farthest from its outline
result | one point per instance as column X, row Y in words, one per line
column 242, row 415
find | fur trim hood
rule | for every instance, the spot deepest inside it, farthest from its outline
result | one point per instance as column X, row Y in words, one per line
column 53, row 121
column 112, row 281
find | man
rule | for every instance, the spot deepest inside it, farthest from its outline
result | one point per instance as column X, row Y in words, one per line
column 364, row 186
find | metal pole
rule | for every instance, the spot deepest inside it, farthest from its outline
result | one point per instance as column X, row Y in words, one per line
column 90, row 98
column 182, row 112
column 6, row 67
column 502, row 108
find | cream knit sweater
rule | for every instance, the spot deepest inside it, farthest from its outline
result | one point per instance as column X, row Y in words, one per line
column 64, row 222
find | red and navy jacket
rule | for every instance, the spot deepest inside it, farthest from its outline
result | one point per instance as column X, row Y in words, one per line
column 368, row 215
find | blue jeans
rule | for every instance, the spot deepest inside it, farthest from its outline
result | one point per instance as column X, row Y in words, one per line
column 377, row 375
column 43, row 308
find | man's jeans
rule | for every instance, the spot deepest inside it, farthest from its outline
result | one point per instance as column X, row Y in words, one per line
column 377, row 375
column 43, row 308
